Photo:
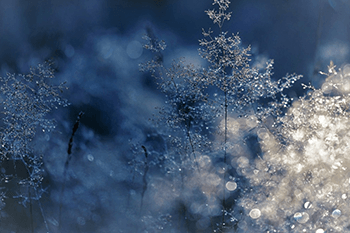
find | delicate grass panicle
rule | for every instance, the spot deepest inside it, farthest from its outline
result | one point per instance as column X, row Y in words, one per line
column 205, row 110
column 26, row 100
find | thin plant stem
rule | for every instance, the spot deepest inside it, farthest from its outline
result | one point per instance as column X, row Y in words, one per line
column 31, row 211
column 42, row 211
column 225, row 159
column 66, row 165
column 144, row 178
column 191, row 144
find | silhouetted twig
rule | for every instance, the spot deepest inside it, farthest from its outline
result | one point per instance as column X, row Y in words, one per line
column 144, row 176
column 69, row 152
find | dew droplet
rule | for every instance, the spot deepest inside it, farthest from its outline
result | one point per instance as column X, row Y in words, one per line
column 255, row 213
column 320, row 230
column 307, row 205
column 301, row 217
column 90, row 157
column 231, row 185
column 336, row 213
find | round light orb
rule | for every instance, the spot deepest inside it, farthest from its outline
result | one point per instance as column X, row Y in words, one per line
column 255, row 213
column 231, row 185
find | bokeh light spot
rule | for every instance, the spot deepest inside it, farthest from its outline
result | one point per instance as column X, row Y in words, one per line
column 301, row 217
column 255, row 213
column 134, row 49
column 231, row 185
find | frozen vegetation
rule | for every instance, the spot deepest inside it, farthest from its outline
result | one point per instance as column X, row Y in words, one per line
column 237, row 156
column 226, row 149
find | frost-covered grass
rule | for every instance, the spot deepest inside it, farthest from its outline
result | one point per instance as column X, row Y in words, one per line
column 237, row 157
column 226, row 151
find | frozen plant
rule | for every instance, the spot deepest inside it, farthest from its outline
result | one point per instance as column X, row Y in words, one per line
column 182, row 119
column 26, row 100
column 209, row 105
column 238, row 86
column 184, row 88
